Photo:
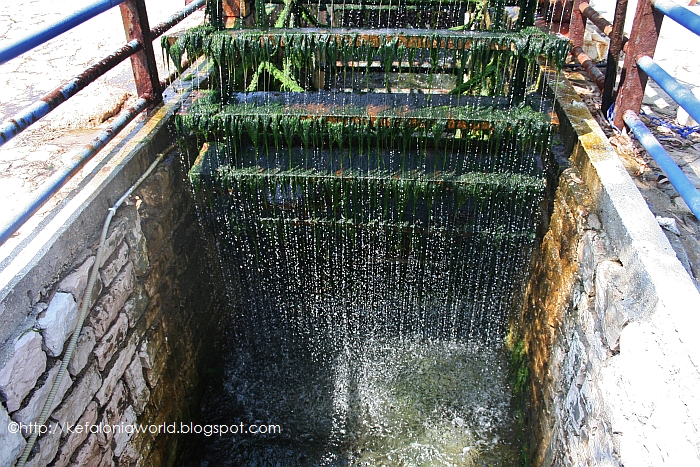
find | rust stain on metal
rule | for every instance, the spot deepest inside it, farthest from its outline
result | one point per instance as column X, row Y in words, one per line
column 143, row 62
column 586, row 62
column 589, row 12
column 577, row 24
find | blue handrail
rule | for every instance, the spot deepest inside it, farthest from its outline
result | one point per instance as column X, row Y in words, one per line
column 680, row 182
column 679, row 14
column 53, row 184
column 27, row 43
column 673, row 88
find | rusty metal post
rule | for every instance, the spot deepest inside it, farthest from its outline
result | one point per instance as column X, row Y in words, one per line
column 143, row 63
column 643, row 39
column 577, row 25
column 617, row 40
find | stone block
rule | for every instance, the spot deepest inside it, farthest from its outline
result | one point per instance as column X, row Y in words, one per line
column 114, row 238
column 83, row 349
column 22, row 370
column 140, row 394
column 151, row 346
column 78, row 435
column 157, row 368
column 137, row 241
column 107, row 458
column 111, row 413
column 111, row 341
column 154, row 309
column 48, row 447
column 108, row 306
column 115, row 373
column 11, row 444
column 157, row 192
column 81, row 395
column 76, row 281
column 121, row 438
column 114, row 264
column 597, row 352
column 57, row 322
column 89, row 454
column 613, row 306
column 593, row 248
column 31, row 411
column 156, row 277
column 136, row 305
column 576, row 360
column 154, row 356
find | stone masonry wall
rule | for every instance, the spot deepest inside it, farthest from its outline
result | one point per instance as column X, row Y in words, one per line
column 146, row 335
column 570, row 325
column 609, row 322
column 579, row 326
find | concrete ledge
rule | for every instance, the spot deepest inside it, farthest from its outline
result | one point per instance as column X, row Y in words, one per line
column 650, row 388
column 49, row 249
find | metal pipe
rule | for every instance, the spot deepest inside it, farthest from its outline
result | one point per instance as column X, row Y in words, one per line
column 37, row 38
column 52, row 185
column 680, row 182
column 159, row 29
column 617, row 42
column 679, row 14
column 592, row 71
column 673, row 88
column 84, row 305
column 590, row 13
column 19, row 122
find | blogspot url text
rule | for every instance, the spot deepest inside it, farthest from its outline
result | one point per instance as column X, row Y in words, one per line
column 135, row 428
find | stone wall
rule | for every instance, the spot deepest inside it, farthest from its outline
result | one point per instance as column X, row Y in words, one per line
column 138, row 359
column 570, row 325
column 609, row 320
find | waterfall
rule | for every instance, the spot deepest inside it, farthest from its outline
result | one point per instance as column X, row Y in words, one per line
column 375, row 228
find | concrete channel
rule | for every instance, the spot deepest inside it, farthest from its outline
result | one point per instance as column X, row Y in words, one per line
column 608, row 319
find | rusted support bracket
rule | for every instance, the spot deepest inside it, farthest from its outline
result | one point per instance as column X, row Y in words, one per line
column 643, row 39
column 143, row 63
column 591, row 70
column 617, row 41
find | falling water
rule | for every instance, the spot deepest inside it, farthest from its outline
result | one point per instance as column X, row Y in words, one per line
column 374, row 243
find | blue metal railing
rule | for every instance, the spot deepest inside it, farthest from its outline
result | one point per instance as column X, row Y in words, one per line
column 13, row 126
column 673, row 88
column 27, row 43
column 680, row 182
column 680, row 95
column 679, row 14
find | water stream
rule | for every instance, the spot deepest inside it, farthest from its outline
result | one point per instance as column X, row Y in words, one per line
column 374, row 243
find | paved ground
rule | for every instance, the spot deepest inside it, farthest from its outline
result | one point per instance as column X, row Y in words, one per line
column 35, row 154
